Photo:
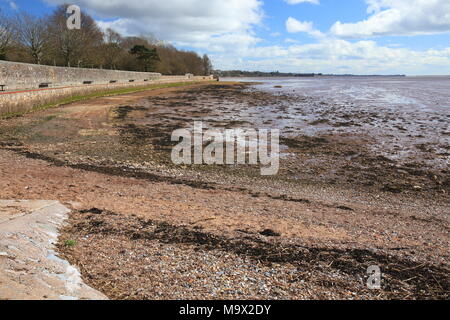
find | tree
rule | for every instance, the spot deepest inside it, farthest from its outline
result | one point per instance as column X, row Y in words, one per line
column 193, row 62
column 113, row 51
column 207, row 65
column 6, row 35
column 74, row 47
column 146, row 56
column 32, row 34
column 49, row 41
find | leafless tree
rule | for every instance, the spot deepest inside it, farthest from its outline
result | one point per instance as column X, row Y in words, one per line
column 74, row 47
column 207, row 65
column 113, row 51
column 32, row 34
column 6, row 34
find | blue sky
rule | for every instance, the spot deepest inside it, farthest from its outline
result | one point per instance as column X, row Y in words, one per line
column 328, row 36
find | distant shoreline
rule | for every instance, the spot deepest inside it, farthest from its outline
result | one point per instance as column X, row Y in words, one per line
column 337, row 76
column 258, row 74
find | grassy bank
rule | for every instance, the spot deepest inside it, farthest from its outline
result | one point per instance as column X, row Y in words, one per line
column 96, row 94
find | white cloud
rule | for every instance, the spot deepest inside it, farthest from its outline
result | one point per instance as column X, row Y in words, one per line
column 12, row 4
column 301, row 1
column 289, row 40
column 398, row 17
column 192, row 22
column 340, row 56
column 295, row 26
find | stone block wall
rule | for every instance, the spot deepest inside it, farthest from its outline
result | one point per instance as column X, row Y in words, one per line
column 26, row 100
column 19, row 76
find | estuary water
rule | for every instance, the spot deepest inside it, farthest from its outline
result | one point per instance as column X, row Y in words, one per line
column 402, row 117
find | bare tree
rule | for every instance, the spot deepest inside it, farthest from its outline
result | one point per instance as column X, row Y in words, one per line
column 6, row 34
column 112, row 36
column 64, row 43
column 113, row 51
column 32, row 34
column 207, row 65
column 74, row 47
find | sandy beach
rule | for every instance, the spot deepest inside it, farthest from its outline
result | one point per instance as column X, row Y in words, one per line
column 346, row 198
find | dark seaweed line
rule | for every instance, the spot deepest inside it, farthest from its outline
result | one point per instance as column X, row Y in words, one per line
column 142, row 175
column 147, row 176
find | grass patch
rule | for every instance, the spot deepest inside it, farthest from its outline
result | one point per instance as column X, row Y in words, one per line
column 70, row 243
column 98, row 94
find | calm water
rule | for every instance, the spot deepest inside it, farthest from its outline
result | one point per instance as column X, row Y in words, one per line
column 403, row 115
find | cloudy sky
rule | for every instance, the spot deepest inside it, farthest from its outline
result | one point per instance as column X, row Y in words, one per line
column 328, row 36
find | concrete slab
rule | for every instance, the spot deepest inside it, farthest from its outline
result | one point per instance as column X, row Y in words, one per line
column 12, row 209
column 29, row 266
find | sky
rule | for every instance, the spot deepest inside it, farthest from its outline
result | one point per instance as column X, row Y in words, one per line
column 322, row 36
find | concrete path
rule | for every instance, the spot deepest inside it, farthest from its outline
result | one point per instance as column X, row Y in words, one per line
column 29, row 266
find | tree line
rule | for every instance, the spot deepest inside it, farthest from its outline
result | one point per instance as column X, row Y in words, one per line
column 47, row 40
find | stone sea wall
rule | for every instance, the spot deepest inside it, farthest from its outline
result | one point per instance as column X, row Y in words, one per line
column 29, row 86
column 17, row 76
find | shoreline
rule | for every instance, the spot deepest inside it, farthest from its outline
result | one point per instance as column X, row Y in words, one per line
column 106, row 158
column 57, row 96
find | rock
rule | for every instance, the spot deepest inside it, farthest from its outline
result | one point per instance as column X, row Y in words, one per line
column 270, row 233
column 345, row 208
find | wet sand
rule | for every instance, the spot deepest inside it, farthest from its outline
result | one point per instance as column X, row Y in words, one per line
column 147, row 229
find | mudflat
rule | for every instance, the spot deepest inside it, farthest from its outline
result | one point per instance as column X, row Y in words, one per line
column 145, row 228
